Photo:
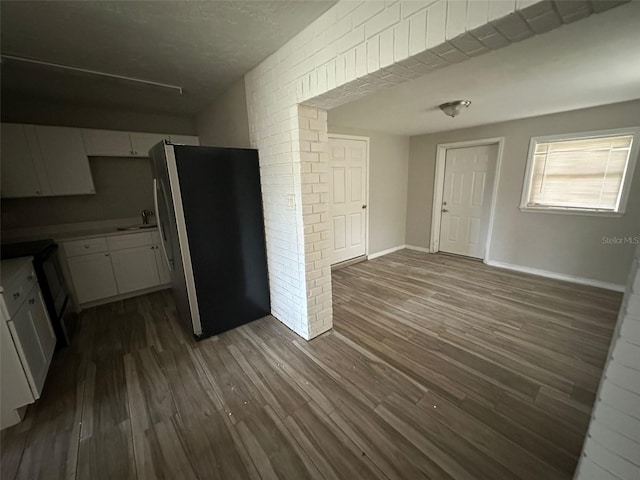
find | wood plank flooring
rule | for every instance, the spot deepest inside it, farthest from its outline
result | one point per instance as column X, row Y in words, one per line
column 438, row 367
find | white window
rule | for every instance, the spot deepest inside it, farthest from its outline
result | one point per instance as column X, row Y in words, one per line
column 583, row 173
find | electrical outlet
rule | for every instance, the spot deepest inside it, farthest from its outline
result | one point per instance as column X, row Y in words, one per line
column 291, row 202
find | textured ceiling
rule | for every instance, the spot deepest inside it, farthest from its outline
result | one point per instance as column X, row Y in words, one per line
column 595, row 61
column 202, row 46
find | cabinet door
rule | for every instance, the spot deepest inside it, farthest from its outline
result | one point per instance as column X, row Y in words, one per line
column 141, row 143
column 65, row 160
column 19, row 174
column 93, row 277
column 107, row 143
column 185, row 139
column 163, row 268
column 34, row 338
column 135, row 268
column 15, row 391
column 44, row 331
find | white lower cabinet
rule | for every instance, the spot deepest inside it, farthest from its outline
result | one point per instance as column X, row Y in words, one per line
column 93, row 276
column 135, row 269
column 105, row 267
column 31, row 329
column 27, row 340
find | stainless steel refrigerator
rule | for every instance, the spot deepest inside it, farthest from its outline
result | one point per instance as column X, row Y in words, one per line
column 208, row 206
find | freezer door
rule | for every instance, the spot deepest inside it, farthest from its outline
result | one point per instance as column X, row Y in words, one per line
column 174, row 243
column 161, row 202
column 165, row 215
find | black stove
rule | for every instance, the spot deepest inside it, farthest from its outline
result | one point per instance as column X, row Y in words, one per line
column 25, row 249
column 52, row 284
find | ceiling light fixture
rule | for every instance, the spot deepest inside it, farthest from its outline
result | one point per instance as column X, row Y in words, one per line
column 454, row 108
column 92, row 72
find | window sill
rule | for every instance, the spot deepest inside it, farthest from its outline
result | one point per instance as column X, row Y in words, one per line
column 568, row 211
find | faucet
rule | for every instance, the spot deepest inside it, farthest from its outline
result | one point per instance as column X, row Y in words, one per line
column 146, row 213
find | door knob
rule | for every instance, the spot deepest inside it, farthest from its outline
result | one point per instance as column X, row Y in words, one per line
column 444, row 210
column 364, row 206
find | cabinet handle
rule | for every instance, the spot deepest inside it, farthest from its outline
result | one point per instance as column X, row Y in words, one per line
column 16, row 295
column 106, row 254
column 32, row 301
column 37, row 192
column 87, row 246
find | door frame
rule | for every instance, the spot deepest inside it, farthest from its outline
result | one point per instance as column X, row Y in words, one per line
column 367, row 140
column 438, row 189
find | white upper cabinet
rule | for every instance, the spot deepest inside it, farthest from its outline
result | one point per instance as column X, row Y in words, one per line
column 111, row 143
column 107, row 143
column 141, row 143
column 185, row 139
column 65, row 160
column 19, row 170
column 44, row 161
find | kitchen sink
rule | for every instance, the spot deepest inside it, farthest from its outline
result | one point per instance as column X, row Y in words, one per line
column 137, row 227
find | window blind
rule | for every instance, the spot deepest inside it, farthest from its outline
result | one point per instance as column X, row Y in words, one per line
column 584, row 173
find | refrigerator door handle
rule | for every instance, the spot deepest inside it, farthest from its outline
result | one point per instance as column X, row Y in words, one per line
column 159, row 222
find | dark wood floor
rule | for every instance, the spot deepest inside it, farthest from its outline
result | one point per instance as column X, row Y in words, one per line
column 438, row 367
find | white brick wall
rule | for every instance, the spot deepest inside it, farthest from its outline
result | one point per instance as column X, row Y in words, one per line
column 612, row 447
column 352, row 50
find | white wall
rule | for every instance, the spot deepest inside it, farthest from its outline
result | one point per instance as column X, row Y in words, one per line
column 388, row 177
column 123, row 189
column 612, row 447
column 45, row 113
column 352, row 50
column 565, row 244
column 224, row 123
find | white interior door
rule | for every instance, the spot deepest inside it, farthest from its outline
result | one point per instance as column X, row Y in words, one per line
column 466, row 199
column 348, row 197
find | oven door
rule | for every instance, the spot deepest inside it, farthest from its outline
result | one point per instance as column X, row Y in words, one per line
column 56, row 294
column 55, row 282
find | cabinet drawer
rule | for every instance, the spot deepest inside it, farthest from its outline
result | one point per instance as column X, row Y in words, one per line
column 17, row 291
column 119, row 242
column 85, row 247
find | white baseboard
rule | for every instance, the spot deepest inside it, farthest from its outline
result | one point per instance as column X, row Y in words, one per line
column 558, row 276
column 395, row 249
column 381, row 253
column 417, row 249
